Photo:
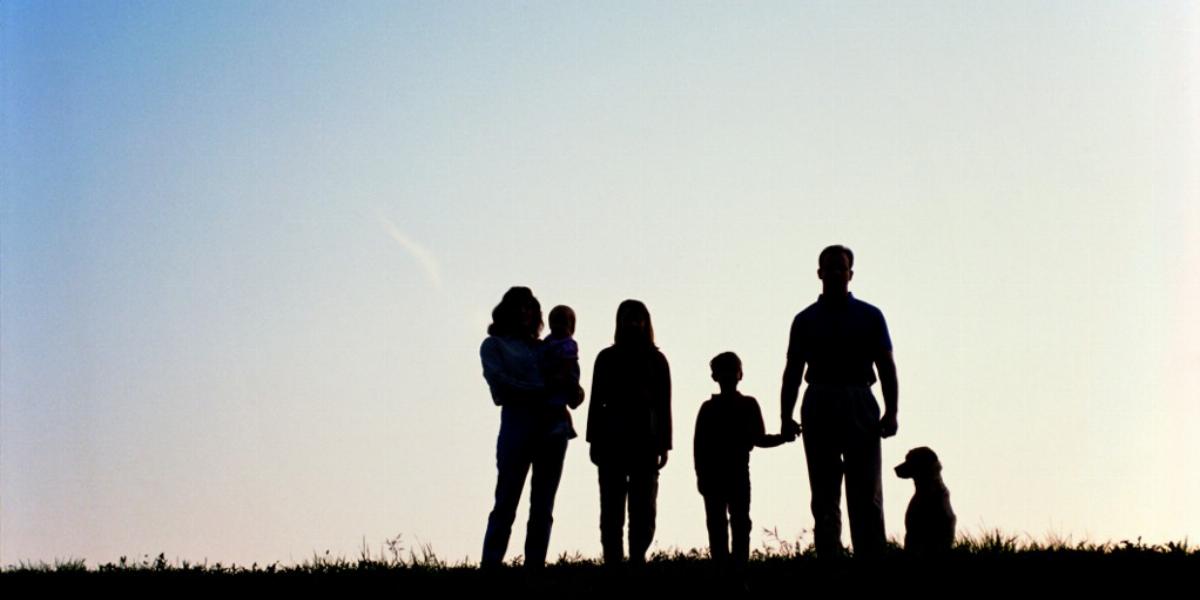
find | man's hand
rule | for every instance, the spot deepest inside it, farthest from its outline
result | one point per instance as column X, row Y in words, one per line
column 790, row 429
column 888, row 425
column 661, row 460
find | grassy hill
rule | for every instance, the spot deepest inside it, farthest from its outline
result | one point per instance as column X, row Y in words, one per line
column 993, row 563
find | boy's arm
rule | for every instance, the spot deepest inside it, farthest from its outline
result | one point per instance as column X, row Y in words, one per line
column 772, row 440
column 760, row 436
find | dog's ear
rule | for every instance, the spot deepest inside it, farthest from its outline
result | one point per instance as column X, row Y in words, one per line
column 922, row 462
column 929, row 461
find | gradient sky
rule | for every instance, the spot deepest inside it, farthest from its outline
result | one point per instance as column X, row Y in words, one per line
column 249, row 251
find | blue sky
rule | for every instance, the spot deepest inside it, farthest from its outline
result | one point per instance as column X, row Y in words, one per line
column 248, row 253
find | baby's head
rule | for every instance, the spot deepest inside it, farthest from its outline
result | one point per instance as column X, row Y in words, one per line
column 562, row 321
column 726, row 369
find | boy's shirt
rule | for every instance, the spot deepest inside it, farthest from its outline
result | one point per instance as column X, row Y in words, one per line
column 727, row 428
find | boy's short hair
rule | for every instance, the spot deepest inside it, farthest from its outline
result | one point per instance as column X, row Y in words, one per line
column 562, row 317
column 725, row 364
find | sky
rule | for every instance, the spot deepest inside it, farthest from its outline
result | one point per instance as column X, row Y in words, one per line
column 248, row 252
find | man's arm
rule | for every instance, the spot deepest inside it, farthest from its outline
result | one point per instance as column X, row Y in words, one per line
column 885, row 364
column 793, row 374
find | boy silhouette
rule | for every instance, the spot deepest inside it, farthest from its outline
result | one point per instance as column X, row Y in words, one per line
column 728, row 427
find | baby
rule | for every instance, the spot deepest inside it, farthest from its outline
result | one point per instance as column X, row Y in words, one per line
column 560, row 370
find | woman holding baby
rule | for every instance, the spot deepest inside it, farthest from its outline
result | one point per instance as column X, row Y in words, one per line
column 533, row 382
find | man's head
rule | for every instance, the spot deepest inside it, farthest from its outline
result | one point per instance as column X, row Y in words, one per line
column 835, row 269
column 562, row 321
column 726, row 369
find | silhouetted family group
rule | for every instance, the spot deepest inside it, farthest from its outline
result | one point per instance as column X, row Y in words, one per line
column 836, row 345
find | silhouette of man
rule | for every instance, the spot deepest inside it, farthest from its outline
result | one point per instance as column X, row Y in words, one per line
column 842, row 341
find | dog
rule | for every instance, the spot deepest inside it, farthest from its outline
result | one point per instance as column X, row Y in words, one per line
column 929, row 522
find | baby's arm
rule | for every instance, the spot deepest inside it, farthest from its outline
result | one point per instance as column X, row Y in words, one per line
column 573, row 371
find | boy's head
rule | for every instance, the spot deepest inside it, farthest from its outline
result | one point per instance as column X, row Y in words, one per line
column 726, row 369
column 562, row 321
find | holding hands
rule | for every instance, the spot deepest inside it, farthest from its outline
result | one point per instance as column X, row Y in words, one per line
column 790, row 429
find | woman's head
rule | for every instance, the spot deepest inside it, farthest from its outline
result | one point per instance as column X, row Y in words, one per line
column 518, row 315
column 633, row 324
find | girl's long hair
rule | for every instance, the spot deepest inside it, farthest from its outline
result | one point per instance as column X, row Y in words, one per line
column 627, row 311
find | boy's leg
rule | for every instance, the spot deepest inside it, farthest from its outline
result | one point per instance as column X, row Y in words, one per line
column 614, row 486
column 512, row 465
column 547, row 471
column 718, row 527
column 739, row 519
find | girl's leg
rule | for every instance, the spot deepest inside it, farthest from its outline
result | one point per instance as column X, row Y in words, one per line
column 614, row 486
column 643, row 497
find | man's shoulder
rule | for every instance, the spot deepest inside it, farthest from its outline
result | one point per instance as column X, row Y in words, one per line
column 810, row 309
column 808, row 313
column 866, row 307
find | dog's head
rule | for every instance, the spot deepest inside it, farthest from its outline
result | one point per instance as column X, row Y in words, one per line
column 918, row 463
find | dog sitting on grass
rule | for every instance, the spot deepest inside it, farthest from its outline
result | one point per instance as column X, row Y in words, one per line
column 929, row 522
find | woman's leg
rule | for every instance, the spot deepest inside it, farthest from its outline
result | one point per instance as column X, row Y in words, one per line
column 547, row 471
column 512, row 464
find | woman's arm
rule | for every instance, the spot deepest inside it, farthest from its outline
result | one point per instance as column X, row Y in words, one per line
column 505, row 388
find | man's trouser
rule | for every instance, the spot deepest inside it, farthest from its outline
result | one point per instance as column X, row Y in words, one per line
column 841, row 437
